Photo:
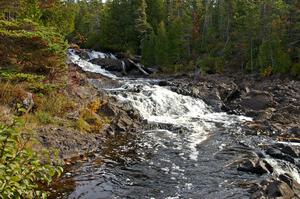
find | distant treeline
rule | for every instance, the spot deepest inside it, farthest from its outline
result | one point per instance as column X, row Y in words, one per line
column 213, row 35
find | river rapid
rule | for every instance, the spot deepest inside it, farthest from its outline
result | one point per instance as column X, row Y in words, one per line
column 184, row 150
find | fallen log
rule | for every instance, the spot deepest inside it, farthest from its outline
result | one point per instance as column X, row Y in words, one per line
column 139, row 67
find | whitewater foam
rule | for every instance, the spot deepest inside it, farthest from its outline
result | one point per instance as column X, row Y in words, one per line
column 88, row 66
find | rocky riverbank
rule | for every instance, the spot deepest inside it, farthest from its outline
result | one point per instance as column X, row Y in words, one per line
column 274, row 105
column 72, row 143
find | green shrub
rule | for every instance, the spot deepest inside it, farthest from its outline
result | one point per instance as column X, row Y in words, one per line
column 43, row 88
column 20, row 77
column 82, row 125
column 20, row 167
column 211, row 64
column 295, row 71
column 43, row 117
column 272, row 54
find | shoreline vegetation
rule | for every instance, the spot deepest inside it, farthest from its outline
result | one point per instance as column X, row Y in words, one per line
column 40, row 94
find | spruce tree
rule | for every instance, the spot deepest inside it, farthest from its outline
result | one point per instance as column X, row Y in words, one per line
column 161, row 46
column 148, row 50
column 156, row 12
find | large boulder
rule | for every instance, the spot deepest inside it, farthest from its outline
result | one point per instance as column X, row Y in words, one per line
column 257, row 166
column 125, row 66
column 257, row 100
column 283, row 186
column 123, row 118
column 110, row 64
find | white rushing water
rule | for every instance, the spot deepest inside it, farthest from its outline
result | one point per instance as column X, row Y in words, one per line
column 95, row 55
column 282, row 167
column 88, row 66
column 160, row 105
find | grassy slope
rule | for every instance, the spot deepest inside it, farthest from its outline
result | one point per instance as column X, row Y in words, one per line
column 36, row 89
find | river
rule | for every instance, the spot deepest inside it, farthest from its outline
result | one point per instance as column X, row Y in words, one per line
column 185, row 150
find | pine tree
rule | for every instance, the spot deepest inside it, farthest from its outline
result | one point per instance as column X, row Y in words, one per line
column 60, row 15
column 148, row 50
column 176, row 41
column 161, row 46
column 156, row 12
column 142, row 27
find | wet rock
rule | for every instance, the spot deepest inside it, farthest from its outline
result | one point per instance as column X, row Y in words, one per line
column 287, row 179
column 285, row 148
column 163, row 83
column 276, row 153
column 257, row 166
column 152, row 70
column 214, row 100
column 229, row 92
column 290, row 150
column 291, row 109
column 110, row 64
column 284, row 187
column 195, row 91
column 84, row 54
column 125, row 66
column 121, row 126
column 108, row 110
column 123, row 117
column 265, row 114
column 257, row 100
column 27, row 104
column 294, row 131
column 279, row 189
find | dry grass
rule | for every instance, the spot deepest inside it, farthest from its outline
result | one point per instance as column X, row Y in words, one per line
column 56, row 104
column 89, row 120
column 53, row 108
column 10, row 93
column 6, row 117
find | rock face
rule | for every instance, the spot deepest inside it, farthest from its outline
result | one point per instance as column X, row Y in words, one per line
column 123, row 119
column 68, row 142
column 72, row 143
